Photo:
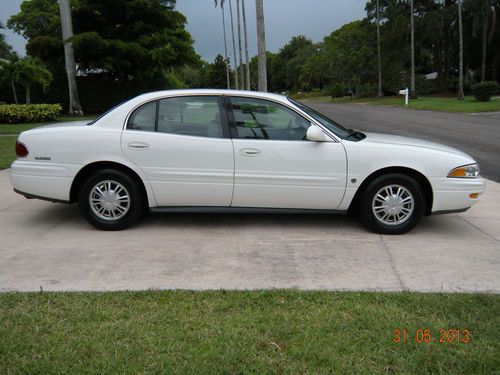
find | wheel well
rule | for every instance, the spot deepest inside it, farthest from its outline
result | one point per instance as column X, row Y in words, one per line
column 419, row 177
column 89, row 169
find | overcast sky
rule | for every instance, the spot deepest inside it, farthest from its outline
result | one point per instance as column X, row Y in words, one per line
column 283, row 18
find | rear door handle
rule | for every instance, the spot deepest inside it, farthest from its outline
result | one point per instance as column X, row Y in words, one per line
column 249, row 152
column 138, row 146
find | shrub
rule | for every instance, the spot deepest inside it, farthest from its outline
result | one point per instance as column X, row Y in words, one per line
column 483, row 91
column 315, row 92
column 20, row 113
column 425, row 86
column 368, row 90
column 338, row 91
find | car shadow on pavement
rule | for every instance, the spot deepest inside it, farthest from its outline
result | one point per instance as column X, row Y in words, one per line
column 45, row 216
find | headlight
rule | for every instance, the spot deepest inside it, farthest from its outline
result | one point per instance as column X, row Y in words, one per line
column 465, row 171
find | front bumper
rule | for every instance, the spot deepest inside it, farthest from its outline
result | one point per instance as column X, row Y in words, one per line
column 454, row 194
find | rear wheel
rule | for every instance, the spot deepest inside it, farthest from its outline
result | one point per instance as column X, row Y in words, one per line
column 110, row 200
column 392, row 204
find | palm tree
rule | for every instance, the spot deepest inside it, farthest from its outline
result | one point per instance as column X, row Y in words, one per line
column 380, row 93
column 225, row 41
column 261, row 40
column 484, row 10
column 31, row 71
column 461, row 54
column 9, row 72
column 247, row 61
column 75, row 107
column 240, row 70
column 236, row 81
column 488, row 10
column 413, row 93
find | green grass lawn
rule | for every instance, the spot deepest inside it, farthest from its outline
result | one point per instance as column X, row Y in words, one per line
column 469, row 104
column 7, row 150
column 261, row 332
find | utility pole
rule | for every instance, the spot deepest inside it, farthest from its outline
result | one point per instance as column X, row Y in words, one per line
column 67, row 32
column 380, row 93
column 461, row 53
column 413, row 93
column 261, row 38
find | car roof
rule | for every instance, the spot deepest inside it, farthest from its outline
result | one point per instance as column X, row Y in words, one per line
column 254, row 94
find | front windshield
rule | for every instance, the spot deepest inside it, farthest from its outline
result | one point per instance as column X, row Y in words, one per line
column 328, row 123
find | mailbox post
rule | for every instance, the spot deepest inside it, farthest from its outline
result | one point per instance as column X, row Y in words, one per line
column 406, row 93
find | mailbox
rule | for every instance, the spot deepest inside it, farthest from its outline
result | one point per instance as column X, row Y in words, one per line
column 406, row 93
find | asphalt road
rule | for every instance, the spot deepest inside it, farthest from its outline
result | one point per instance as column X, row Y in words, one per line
column 476, row 134
column 50, row 246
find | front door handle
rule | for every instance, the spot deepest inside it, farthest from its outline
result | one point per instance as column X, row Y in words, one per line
column 249, row 152
column 138, row 146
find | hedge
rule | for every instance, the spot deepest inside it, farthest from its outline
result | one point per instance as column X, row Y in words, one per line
column 338, row 91
column 484, row 90
column 23, row 113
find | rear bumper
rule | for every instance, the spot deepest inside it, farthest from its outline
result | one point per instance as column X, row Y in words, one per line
column 49, row 181
column 453, row 194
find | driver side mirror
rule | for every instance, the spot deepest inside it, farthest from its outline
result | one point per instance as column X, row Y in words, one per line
column 316, row 134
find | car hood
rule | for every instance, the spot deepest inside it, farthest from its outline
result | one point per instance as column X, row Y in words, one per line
column 410, row 142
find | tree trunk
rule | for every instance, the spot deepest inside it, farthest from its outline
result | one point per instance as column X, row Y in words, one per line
column 14, row 92
column 261, row 39
column 483, row 57
column 438, row 56
column 28, row 94
column 225, row 46
column 236, row 80
column 240, row 68
column 461, row 54
column 413, row 92
column 247, row 61
column 380, row 93
column 67, row 32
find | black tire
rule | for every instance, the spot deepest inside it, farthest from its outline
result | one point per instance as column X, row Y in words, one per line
column 135, row 205
column 375, row 224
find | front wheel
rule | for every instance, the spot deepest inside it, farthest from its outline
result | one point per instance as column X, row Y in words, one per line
column 392, row 204
column 110, row 200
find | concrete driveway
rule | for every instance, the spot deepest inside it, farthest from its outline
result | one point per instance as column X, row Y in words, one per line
column 49, row 246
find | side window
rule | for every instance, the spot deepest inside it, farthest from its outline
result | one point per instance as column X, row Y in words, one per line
column 194, row 116
column 143, row 118
column 262, row 119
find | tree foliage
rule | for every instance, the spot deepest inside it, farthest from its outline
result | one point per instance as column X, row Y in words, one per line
column 121, row 41
column 125, row 38
column 349, row 56
column 26, row 72
column 5, row 49
column 130, row 46
column 217, row 73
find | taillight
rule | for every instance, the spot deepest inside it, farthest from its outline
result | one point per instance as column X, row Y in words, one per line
column 21, row 150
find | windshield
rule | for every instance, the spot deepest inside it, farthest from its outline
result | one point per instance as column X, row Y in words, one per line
column 328, row 123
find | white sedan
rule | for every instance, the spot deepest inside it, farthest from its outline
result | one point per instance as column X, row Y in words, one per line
column 222, row 150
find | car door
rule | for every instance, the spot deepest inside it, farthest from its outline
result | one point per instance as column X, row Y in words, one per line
column 275, row 165
column 183, row 146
